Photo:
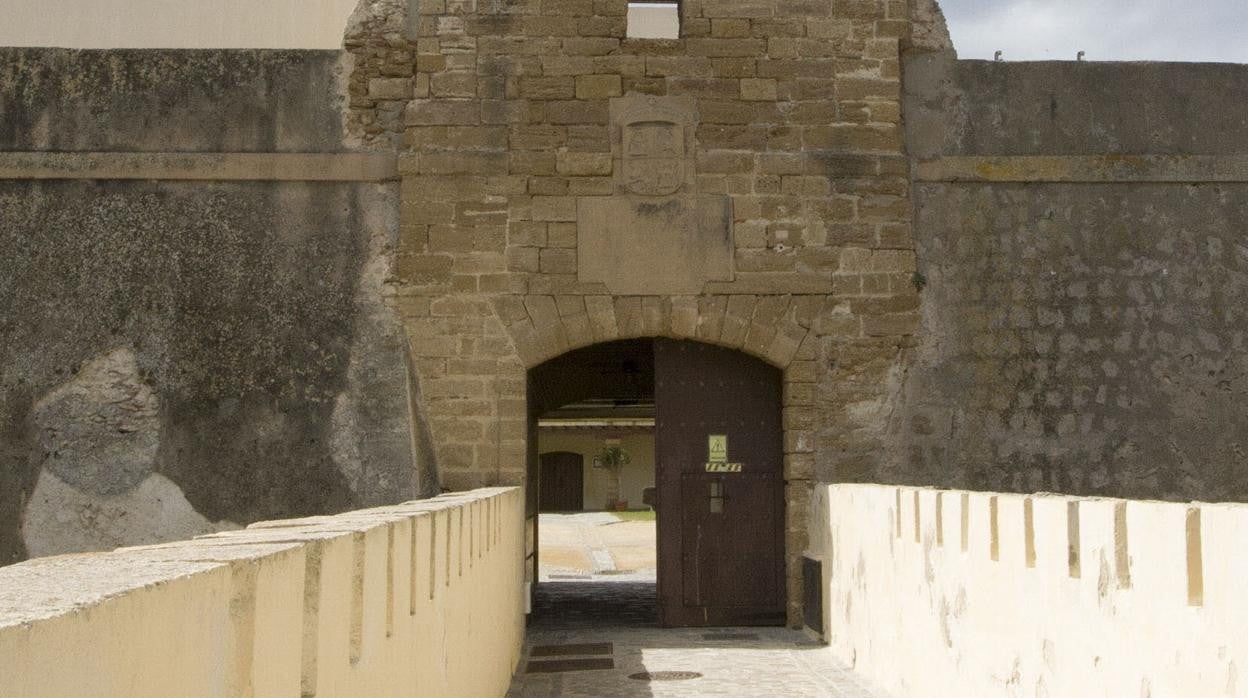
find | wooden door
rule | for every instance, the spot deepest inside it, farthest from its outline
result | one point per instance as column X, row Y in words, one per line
column 719, row 447
column 562, row 481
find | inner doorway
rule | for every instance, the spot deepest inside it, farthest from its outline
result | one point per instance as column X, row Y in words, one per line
column 718, row 487
column 562, row 481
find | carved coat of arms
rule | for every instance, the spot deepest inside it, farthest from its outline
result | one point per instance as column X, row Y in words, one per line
column 654, row 157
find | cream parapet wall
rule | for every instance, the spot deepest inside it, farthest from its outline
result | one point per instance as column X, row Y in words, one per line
column 423, row 598
column 949, row 593
column 103, row 24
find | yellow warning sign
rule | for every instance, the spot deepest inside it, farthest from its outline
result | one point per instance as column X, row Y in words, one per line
column 724, row 467
column 717, row 448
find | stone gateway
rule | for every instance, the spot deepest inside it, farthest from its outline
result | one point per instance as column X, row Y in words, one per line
column 246, row 284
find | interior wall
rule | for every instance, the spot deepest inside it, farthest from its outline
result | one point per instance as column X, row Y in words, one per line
column 634, row 477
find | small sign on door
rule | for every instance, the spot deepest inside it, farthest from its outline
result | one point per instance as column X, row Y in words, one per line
column 717, row 448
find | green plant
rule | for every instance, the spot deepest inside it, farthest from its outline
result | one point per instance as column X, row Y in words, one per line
column 614, row 457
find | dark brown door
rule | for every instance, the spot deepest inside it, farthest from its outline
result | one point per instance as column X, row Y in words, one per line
column 719, row 447
column 562, row 481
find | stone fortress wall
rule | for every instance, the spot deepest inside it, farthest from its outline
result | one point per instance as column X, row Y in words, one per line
column 1082, row 230
column 192, row 329
column 563, row 185
column 1009, row 276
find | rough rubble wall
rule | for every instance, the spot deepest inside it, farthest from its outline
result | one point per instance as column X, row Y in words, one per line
column 1084, row 338
column 179, row 356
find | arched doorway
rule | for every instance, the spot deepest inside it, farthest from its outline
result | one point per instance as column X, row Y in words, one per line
column 718, row 455
column 562, row 482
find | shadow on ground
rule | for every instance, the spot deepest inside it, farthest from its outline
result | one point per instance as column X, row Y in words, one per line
column 570, row 605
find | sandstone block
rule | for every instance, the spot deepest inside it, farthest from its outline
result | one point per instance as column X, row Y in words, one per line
column 574, row 8
column 524, row 259
column 463, row 162
column 591, row 186
column 556, row 87
column 561, row 235
column 584, row 164
column 576, row 112
column 758, row 89
column 597, row 86
column 543, row 25
column 898, row 324
column 590, row 46
column 735, row 67
column 453, row 85
column 726, row 47
column 549, row 186
column 390, row 88
column 532, row 162
column 554, row 208
column 526, row 233
column 730, row 28
column 430, row 62
column 422, row 112
column 602, row 26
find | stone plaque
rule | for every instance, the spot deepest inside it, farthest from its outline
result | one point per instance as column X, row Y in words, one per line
column 667, row 246
column 656, row 235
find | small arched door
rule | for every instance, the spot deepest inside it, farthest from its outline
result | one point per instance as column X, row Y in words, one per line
column 562, row 481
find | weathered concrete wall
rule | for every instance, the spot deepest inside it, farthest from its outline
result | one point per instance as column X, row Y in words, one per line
column 952, row 593
column 1065, row 108
column 1083, row 332
column 178, row 356
column 423, row 598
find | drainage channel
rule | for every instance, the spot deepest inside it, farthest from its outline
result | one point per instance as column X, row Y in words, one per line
column 552, row 659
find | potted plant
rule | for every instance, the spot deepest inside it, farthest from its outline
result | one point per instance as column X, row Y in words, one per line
column 614, row 459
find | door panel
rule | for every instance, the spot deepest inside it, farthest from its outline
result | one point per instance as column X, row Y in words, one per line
column 562, row 481
column 729, row 564
column 721, row 534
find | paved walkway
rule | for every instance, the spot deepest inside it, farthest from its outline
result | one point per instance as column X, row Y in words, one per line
column 699, row 662
column 594, row 632
column 598, row 639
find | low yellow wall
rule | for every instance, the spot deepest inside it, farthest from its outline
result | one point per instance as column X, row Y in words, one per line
column 419, row 599
column 976, row 594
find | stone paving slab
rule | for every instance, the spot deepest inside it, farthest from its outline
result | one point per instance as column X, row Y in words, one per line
column 779, row 662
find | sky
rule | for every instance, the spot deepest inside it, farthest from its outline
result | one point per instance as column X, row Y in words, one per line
column 1108, row 30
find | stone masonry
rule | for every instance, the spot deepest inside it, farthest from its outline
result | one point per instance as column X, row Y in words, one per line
column 793, row 112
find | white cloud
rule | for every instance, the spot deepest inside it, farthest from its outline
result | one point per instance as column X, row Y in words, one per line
column 1159, row 30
